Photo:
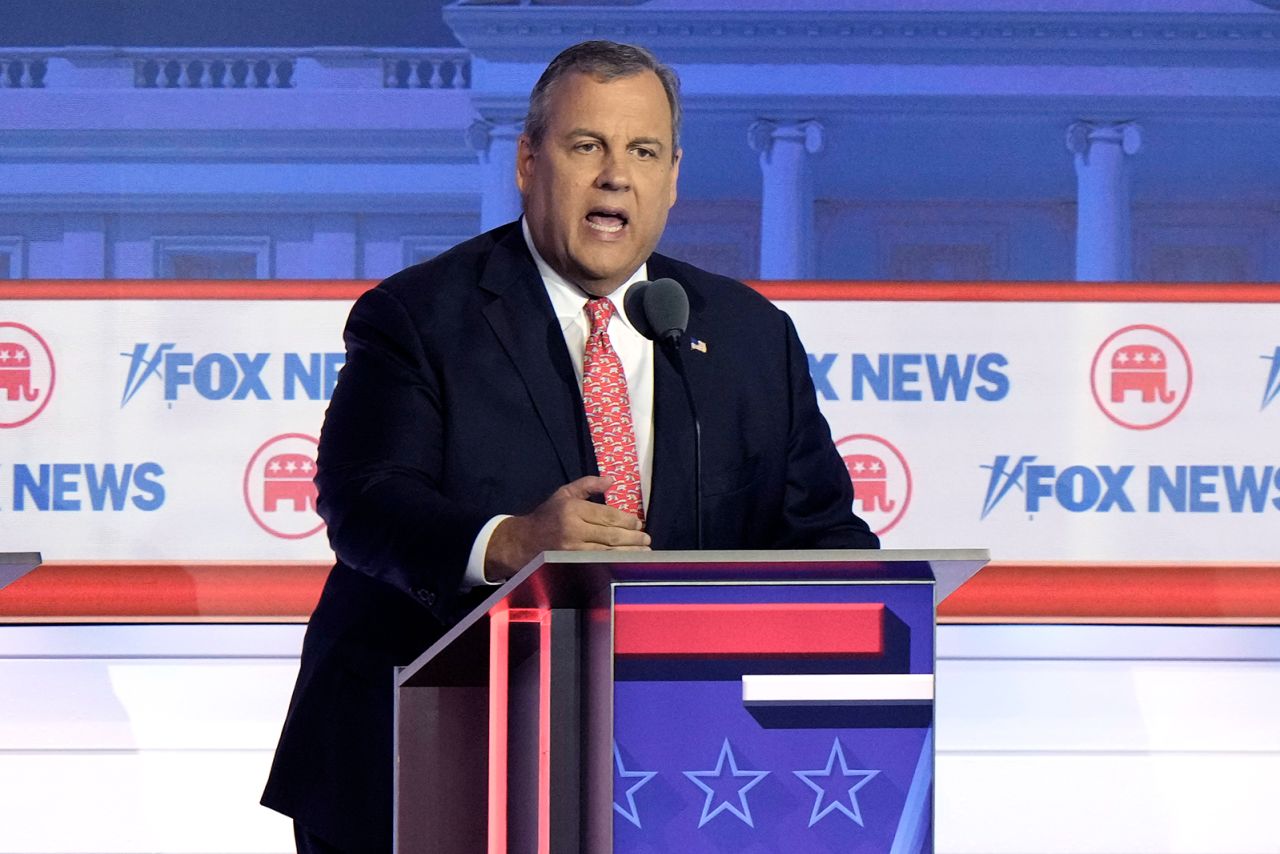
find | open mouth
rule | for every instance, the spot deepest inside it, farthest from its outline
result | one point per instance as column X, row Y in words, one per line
column 607, row 220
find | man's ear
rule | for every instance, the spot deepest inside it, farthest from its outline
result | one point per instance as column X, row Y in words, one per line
column 524, row 162
column 675, row 175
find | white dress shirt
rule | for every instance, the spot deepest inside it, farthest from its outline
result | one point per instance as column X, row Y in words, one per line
column 569, row 302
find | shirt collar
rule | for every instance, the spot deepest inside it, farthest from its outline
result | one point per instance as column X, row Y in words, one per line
column 567, row 299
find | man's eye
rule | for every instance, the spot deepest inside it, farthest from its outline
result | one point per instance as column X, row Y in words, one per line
column 645, row 153
column 586, row 147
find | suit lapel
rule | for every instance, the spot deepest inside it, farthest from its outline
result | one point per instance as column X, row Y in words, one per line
column 521, row 317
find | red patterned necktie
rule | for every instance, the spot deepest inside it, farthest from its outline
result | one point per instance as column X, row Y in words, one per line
column 604, row 393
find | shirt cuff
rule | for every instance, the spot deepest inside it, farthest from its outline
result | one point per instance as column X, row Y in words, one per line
column 474, row 576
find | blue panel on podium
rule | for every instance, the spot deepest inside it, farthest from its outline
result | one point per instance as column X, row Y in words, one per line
column 755, row 733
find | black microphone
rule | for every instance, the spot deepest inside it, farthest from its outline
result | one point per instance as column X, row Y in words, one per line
column 660, row 312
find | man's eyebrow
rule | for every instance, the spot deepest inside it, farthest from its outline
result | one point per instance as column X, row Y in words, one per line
column 649, row 140
column 595, row 134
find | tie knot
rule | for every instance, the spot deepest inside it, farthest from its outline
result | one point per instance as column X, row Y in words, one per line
column 601, row 310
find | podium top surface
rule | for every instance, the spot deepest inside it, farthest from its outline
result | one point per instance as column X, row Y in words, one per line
column 949, row 568
column 577, row 579
column 14, row 565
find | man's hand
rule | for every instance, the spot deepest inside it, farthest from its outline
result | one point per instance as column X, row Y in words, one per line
column 565, row 521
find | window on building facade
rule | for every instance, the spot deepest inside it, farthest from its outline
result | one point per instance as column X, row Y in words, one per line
column 212, row 258
column 10, row 258
column 1200, row 264
column 416, row 249
column 940, row 262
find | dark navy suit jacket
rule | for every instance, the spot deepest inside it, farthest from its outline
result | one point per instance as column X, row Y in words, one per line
column 458, row 402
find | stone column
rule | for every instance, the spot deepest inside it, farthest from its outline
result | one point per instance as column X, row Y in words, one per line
column 786, row 210
column 495, row 142
column 1104, row 233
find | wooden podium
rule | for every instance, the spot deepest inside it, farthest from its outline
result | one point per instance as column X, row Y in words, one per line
column 680, row 701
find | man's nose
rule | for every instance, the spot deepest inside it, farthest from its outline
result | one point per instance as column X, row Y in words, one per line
column 615, row 173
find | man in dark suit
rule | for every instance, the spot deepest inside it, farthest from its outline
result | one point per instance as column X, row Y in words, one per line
column 457, row 445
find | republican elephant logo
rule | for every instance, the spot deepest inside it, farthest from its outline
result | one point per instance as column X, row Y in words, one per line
column 279, row 486
column 27, row 374
column 1141, row 368
column 880, row 477
column 15, row 372
column 1141, row 377
column 870, row 482
column 289, row 478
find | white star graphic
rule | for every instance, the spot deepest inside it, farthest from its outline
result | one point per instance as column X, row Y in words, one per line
column 274, row 467
column 306, row 465
column 859, row 467
column 1122, row 357
column 853, row 811
column 1140, row 358
column 1156, row 358
column 641, row 777
column 744, row 813
column 4, row 355
column 290, row 466
column 19, row 356
column 875, row 467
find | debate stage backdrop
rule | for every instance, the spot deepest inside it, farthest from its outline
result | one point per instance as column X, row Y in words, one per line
column 1030, row 246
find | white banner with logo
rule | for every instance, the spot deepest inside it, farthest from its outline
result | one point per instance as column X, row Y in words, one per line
column 186, row 429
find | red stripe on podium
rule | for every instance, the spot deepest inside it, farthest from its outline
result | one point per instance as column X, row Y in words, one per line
column 1003, row 592
column 749, row 630
column 166, row 591
column 1136, row 592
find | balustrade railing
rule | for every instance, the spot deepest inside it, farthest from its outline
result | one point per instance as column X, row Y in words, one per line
column 437, row 70
column 234, row 68
column 22, row 73
column 213, row 72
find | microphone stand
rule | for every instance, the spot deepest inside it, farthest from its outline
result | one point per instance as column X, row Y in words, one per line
column 672, row 340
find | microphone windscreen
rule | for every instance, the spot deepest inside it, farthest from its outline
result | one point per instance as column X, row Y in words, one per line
column 633, row 305
column 666, row 306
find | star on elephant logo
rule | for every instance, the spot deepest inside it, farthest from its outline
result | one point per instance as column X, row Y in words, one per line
column 280, row 489
column 881, row 479
column 27, row 373
column 1141, row 377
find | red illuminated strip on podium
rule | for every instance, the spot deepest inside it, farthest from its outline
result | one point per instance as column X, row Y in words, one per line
column 1134, row 593
column 1002, row 592
column 166, row 591
column 749, row 630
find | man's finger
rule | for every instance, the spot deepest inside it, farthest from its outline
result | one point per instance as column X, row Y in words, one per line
column 606, row 535
column 585, row 487
column 603, row 514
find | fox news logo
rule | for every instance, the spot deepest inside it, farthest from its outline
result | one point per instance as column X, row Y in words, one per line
column 1273, row 379
column 75, row 487
column 909, row 377
column 234, row 376
column 1126, row 488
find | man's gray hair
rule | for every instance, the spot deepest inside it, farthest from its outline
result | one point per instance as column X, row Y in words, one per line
column 603, row 60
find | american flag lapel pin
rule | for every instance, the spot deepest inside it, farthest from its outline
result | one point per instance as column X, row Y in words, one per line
column 698, row 344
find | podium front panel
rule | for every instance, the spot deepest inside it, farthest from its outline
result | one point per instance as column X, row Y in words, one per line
column 773, row 717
